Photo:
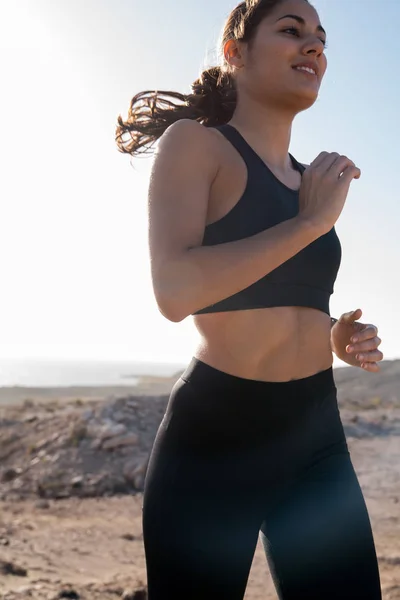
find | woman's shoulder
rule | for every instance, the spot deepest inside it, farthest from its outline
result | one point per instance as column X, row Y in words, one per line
column 187, row 130
column 190, row 142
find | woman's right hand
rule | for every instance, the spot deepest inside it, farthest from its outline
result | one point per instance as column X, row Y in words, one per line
column 324, row 188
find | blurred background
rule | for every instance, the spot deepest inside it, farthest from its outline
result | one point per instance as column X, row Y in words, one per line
column 76, row 290
column 86, row 360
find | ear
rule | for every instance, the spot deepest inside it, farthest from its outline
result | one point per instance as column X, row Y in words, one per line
column 233, row 53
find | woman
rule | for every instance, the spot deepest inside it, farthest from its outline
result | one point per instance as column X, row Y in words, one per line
column 242, row 237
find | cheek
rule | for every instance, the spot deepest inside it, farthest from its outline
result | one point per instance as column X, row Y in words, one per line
column 265, row 78
column 262, row 69
column 273, row 54
column 271, row 62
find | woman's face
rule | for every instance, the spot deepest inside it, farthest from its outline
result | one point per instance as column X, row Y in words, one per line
column 289, row 43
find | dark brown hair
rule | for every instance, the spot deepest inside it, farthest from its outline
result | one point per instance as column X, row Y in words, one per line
column 213, row 98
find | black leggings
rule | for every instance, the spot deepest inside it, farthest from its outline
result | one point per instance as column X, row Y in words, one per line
column 234, row 457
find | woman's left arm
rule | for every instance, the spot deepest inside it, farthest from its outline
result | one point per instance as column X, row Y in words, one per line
column 356, row 343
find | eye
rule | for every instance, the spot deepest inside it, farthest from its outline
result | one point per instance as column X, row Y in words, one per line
column 292, row 31
column 295, row 31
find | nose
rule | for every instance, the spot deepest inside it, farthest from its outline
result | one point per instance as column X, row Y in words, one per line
column 313, row 47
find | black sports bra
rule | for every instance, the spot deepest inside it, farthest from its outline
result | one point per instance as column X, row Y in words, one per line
column 307, row 279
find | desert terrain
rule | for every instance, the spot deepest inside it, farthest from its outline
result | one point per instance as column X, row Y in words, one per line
column 72, row 467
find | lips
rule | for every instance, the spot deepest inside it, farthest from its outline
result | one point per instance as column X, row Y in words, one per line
column 307, row 65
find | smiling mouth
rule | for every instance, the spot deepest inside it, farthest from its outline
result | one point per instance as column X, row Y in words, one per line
column 308, row 70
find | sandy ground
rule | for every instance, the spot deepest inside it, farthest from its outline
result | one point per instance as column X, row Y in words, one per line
column 94, row 547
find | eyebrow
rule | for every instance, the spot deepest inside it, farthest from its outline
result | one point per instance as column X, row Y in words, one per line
column 301, row 21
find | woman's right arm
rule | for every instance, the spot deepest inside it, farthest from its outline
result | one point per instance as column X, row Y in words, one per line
column 187, row 276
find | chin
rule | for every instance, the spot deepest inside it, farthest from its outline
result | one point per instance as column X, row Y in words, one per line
column 298, row 99
column 304, row 101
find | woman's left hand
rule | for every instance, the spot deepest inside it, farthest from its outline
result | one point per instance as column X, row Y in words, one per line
column 355, row 343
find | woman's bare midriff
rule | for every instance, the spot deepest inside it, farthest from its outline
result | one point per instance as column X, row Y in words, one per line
column 269, row 344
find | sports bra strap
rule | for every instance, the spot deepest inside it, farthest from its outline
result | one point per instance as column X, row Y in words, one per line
column 250, row 156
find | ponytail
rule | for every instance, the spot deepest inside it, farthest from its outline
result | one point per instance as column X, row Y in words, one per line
column 212, row 102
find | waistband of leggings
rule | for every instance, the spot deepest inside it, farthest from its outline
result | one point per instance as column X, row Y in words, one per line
column 203, row 375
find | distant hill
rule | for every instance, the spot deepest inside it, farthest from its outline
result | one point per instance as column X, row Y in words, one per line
column 358, row 388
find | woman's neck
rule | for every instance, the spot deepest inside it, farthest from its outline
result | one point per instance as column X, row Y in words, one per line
column 268, row 132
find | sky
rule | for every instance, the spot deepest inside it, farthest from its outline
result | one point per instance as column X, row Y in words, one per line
column 74, row 264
